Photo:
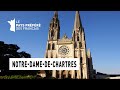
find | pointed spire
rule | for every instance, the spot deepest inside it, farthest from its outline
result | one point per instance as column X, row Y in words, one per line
column 88, row 53
column 77, row 22
column 56, row 14
column 55, row 17
column 54, row 28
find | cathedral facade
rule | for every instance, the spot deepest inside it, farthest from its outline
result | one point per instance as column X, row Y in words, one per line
column 65, row 47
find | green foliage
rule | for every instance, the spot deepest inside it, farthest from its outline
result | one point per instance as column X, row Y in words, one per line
column 11, row 51
column 24, row 77
column 18, row 77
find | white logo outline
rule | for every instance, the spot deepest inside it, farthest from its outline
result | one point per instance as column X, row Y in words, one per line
column 12, row 25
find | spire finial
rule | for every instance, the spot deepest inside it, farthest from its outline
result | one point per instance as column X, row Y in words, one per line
column 88, row 53
column 65, row 36
column 56, row 14
column 77, row 23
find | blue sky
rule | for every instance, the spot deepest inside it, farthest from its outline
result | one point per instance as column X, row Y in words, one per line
column 102, row 30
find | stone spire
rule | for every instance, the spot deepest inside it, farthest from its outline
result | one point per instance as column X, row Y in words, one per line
column 54, row 28
column 55, row 17
column 88, row 53
column 77, row 23
column 56, row 14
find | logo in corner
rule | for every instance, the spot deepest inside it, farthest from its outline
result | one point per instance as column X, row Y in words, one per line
column 12, row 25
column 17, row 25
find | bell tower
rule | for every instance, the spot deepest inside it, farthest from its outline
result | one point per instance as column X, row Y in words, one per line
column 54, row 28
column 53, row 36
column 78, row 37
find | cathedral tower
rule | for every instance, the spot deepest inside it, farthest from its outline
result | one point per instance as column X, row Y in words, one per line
column 53, row 36
column 78, row 37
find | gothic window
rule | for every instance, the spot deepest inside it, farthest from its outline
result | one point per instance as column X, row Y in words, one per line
column 57, row 74
column 81, row 60
column 80, row 44
column 75, row 73
column 53, row 46
column 52, row 33
column 56, row 25
column 75, row 54
column 77, row 38
column 63, row 76
column 69, row 74
column 53, row 24
column 75, row 45
column 49, row 46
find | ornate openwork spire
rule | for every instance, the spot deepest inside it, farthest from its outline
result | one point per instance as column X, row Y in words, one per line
column 56, row 14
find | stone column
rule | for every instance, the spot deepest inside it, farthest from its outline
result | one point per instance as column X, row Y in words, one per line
column 73, row 74
column 54, row 73
column 66, row 73
column 79, row 72
column 60, row 72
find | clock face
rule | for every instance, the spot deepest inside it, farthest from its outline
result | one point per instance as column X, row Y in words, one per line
column 63, row 50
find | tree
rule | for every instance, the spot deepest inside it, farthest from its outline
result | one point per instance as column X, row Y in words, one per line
column 11, row 51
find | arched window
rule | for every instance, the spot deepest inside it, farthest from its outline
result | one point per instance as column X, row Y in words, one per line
column 75, row 73
column 49, row 46
column 75, row 54
column 56, row 25
column 75, row 45
column 81, row 60
column 53, row 46
column 77, row 38
column 69, row 74
column 52, row 33
column 57, row 74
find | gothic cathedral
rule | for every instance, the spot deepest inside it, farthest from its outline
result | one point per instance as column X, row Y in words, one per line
column 69, row 48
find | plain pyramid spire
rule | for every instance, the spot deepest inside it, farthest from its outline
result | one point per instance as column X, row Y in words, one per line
column 77, row 23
